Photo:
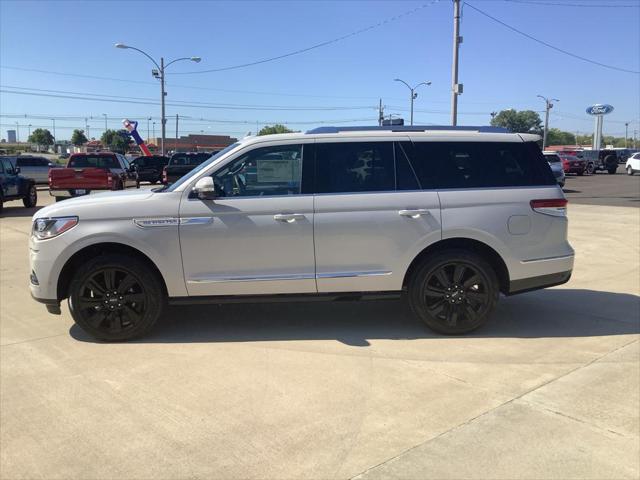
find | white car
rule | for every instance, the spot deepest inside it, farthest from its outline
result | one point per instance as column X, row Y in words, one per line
column 447, row 217
column 633, row 164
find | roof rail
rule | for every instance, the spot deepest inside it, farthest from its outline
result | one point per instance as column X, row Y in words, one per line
column 409, row 128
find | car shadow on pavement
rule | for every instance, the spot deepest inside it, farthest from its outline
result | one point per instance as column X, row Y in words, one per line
column 545, row 313
column 18, row 211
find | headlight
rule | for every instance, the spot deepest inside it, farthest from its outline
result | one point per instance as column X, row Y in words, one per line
column 44, row 228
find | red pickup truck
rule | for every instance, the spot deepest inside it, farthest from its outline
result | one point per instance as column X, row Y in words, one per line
column 92, row 173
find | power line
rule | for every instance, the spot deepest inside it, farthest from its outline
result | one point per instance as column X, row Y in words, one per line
column 584, row 59
column 581, row 5
column 313, row 47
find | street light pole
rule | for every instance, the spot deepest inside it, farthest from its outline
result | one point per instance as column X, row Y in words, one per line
column 457, row 39
column 105, row 121
column 626, row 134
column 159, row 74
column 54, row 128
column 413, row 94
column 148, row 120
column 29, row 132
column 548, row 106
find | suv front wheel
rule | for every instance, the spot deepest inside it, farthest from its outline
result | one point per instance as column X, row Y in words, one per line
column 454, row 292
column 116, row 297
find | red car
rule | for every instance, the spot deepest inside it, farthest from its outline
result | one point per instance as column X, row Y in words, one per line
column 91, row 173
column 572, row 164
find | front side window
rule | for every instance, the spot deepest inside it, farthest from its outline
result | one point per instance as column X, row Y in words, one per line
column 8, row 167
column 263, row 171
column 355, row 167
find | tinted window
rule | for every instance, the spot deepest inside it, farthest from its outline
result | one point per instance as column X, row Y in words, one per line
column 263, row 171
column 552, row 158
column 95, row 161
column 355, row 167
column 405, row 176
column 189, row 159
column 8, row 166
column 480, row 164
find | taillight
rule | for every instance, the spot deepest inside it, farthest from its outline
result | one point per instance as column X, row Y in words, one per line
column 109, row 180
column 50, row 179
column 565, row 163
column 165, row 179
column 555, row 206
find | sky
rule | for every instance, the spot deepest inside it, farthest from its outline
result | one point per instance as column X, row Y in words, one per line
column 52, row 52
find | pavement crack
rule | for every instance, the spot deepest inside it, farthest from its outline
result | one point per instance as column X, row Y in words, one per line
column 491, row 410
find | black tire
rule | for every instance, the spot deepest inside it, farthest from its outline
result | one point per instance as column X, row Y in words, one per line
column 629, row 170
column 116, row 297
column 435, row 294
column 31, row 199
column 1, row 203
column 137, row 183
column 612, row 171
column 590, row 169
column 581, row 173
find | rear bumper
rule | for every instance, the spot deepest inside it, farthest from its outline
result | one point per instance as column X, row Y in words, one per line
column 70, row 192
column 542, row 273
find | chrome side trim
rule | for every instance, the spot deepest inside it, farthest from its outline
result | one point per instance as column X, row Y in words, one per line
column 248, row 278
column 353, row 274
column 561, row 257
column 156, row 222
column 196, row 220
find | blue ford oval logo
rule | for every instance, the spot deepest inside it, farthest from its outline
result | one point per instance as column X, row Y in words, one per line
column 599, row 109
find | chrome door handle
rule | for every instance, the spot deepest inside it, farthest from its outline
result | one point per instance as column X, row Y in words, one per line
column 418, row 212
column 288, row 217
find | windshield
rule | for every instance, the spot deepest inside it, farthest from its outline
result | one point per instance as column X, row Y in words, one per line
column 200, row 167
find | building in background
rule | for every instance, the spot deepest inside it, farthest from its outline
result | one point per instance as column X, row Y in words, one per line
column 195, row 143
column 11, row 136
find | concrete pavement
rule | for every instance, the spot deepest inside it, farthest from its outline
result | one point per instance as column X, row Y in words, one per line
column 548, row 390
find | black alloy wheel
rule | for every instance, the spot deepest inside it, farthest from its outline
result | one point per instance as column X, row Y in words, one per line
column 31, row 199
column 115, row 298
column 454, row 294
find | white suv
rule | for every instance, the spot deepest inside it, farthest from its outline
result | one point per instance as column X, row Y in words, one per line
column 449, row 216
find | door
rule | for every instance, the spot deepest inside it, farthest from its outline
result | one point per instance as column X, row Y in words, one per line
column 130, row 175
column 371, row 216
column 10, row 179
column 257, row 236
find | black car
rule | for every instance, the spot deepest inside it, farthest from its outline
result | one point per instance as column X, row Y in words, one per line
column 182, row 163
column 150, row 168
column 14, row 186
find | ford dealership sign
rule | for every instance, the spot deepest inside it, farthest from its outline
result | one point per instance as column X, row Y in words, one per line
column 599, row 109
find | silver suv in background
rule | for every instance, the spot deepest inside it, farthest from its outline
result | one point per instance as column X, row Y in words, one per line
column 447, row 217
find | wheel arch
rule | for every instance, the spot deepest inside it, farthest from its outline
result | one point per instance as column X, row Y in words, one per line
column 474, row 246
column 92, row 251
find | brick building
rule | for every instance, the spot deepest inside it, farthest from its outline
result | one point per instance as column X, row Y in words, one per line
column 195, row 143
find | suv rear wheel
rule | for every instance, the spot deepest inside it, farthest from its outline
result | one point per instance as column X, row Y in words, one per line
column 116, row 297
column 454, row 292
column 31, row 199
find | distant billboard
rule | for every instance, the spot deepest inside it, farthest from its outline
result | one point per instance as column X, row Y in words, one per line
column 599, row 109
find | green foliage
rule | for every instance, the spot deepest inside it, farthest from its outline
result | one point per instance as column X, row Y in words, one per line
column 271, row 129
column 523, row 121
column 115, row 141
column 78, row 137
column 555, row 136
column 41, row 136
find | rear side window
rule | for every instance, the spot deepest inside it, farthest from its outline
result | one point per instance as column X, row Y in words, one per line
column 355, row 167
column 480, row 164
column 94, row 161
column 552, row 158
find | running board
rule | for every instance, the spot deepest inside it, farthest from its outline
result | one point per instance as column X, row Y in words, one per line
column 285, row 298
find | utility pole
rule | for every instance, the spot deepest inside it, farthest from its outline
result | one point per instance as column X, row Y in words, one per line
column 626, row 134
column 148, row 120
column 548, row 106
column 635, row 135
column 175, row 148
column 17, row 132
column 29, row 132
column 54, row 128
column 380, row 113
column 105, row 121
column 456, row 89
column 154, row 131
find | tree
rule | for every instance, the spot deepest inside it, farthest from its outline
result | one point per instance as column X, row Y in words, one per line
column 41, row 136
column 555, row 136
column 115, row 140
column 271, row 129
column 523, row 121
column 78, row 137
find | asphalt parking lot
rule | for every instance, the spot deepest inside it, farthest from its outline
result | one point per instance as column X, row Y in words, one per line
column 549, row 389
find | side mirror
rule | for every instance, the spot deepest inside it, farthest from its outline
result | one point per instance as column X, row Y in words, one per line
column 205, row 189
column 17, row 170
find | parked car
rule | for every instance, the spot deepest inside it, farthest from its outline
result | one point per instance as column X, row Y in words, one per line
column 150, row 168
column 633, row 164
column 34, row 167
column 181, row 164
column 88, row 173
column 557, row 166
column 623, row 154
column 605, row 160
column 333, row 213
column 572, row 164
column 14, row 186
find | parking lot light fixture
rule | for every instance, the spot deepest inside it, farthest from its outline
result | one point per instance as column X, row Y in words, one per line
column 159, row 74
column 414, row 95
